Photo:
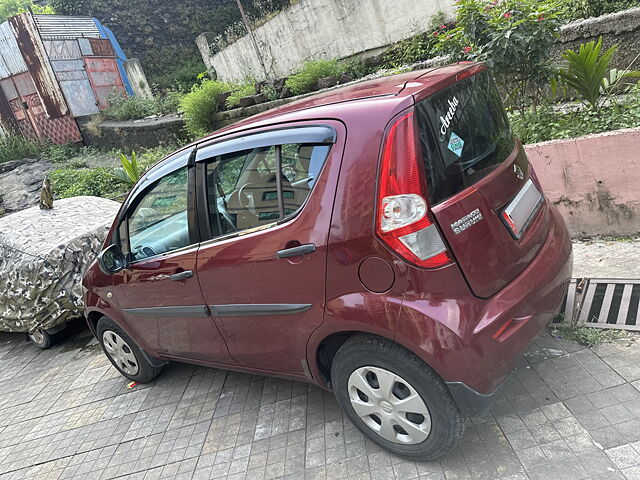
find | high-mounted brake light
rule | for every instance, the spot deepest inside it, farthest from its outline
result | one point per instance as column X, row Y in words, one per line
column 403, row 221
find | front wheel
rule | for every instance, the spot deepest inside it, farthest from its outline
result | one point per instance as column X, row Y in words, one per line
column 395, row 399
column 123, row 353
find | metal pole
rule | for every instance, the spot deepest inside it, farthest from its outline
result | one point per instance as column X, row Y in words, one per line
column 253, row 39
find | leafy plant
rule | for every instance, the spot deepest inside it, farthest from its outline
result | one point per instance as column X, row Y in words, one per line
column 270, row 92
column 239, row 91
column 586, row 71
column 306, row 79
column 514, row 38
column 200, row 106
column 9, row 8
column 130, row 171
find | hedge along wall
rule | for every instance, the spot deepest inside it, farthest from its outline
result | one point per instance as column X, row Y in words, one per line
column 315, row 29
column 621, row 28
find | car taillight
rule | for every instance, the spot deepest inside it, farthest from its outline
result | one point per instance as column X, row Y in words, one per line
column 403, row 220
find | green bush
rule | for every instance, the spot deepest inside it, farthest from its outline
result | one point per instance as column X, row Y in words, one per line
column 238, row 92
column 306, row 79
column 546, row 124
column 200, row 106
column 99, row 182
column 13, row 146
column 514, row 37
column 134, row 108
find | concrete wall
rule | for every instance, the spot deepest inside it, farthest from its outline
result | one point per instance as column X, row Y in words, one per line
column 593, row 180
column 137, row 78
column 314, row 29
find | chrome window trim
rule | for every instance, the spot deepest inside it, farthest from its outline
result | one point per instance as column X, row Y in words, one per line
column 304, row 134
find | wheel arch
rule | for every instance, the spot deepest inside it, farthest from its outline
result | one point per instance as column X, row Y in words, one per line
column 323, row 354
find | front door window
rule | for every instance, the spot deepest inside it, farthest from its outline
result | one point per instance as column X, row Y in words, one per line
column 158, row 223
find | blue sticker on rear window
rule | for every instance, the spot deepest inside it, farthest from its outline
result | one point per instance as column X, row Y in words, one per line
column 455, row 144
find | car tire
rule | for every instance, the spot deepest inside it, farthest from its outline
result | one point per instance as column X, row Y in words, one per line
column 123, row 353
column 403, row 405
column 41, row 338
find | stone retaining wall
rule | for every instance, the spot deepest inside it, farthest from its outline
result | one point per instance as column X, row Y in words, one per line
column 619, row 28
column 133, row 134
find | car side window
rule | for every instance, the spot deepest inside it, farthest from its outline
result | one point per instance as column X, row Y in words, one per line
column 244, row 191
column 158, row 222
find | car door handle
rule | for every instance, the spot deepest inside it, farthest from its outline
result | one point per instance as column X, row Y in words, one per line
column 182, row 275
column 296, row 251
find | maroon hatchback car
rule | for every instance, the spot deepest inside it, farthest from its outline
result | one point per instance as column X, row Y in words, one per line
column 387, row 240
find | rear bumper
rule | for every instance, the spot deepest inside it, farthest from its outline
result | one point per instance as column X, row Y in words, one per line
column 526, row 306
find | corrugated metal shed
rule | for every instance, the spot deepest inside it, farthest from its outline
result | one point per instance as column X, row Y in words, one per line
column 11, row 61
column 59, row 26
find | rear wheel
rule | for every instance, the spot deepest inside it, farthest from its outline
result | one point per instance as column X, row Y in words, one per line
column 123, row 352
column 395, row 399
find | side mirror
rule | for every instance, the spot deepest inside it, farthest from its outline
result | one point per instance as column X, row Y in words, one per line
column 111, row 260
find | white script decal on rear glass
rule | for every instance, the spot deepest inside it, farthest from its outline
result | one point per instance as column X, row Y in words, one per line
column 446, row 120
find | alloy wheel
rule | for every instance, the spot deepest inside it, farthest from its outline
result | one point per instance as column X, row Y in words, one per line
column 120, row 352
column 37, row 337
column 389, row 405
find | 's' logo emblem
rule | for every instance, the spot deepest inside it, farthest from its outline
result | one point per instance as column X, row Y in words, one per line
column 518, row 171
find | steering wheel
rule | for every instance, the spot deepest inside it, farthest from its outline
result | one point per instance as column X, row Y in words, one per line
column 242, row 194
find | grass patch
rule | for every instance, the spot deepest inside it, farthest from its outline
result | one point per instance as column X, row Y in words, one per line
column 588, row 336
column 14, row 146
column 74, row 179
column 135, row 108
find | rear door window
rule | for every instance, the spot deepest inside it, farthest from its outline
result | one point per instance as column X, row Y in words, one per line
column 464, row 135
column 248, row 189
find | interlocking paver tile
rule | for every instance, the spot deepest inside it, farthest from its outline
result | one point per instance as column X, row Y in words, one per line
column 567, row 412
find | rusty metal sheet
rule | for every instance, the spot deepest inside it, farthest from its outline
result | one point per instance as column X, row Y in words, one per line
column 74, row 81
column 24, row 84
column 105, row 79
column 11, row 61
column 101, row 47
column 33, row 52
column 62, row 49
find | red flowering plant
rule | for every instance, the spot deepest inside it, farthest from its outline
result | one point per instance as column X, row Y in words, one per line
column 514, row 38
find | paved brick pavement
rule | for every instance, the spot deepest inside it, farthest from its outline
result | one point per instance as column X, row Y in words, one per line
column 607, row 259
column 567, row 412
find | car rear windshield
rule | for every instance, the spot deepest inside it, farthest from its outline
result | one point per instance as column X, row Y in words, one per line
column 464, row 135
